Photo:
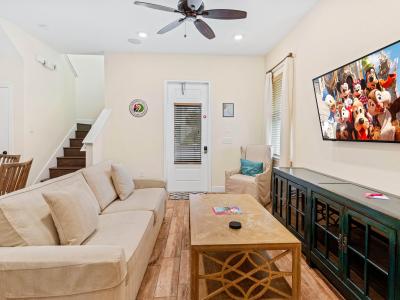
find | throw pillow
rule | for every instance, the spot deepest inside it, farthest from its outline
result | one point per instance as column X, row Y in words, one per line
column 123, row 182
column 250, row 168
column 73, row 214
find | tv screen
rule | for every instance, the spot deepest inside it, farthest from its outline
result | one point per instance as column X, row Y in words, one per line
column 360, row 101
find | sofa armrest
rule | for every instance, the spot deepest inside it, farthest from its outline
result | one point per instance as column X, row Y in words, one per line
column 229, row 173
column 149, row 183
column 51, row 271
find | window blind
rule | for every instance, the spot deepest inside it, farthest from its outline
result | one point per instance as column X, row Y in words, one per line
column 276, row 114
column 187, row 133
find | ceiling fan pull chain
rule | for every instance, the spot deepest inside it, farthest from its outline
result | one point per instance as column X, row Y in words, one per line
column 185, row 36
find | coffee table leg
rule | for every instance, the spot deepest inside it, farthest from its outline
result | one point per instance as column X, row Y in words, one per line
column 296, row 272
column 194, row 278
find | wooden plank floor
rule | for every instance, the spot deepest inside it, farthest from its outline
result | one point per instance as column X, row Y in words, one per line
column 168, row 275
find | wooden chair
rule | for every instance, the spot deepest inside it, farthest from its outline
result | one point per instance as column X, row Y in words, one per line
column 14, row 176
column 9, row 158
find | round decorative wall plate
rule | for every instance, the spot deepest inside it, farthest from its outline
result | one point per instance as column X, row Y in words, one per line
column 138, row 108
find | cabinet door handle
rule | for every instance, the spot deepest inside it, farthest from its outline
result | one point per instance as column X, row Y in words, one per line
column 340, row 242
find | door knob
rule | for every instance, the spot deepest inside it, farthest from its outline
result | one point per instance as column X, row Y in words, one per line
column 205, row 149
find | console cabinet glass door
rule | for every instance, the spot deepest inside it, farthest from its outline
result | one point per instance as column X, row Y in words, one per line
column 296, row 209
column 326, row 231
column 280, row 205
column 369, row 257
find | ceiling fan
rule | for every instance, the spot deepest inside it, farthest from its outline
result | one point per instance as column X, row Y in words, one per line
column 191, row 10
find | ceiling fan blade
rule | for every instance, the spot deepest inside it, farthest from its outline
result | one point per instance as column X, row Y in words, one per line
column 156, row 6
column 194, row 4
column 204, row 29
column 224, row 14
column 171, row 26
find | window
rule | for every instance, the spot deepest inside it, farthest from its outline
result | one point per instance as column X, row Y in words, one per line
column 187, row 133
column 276, row 114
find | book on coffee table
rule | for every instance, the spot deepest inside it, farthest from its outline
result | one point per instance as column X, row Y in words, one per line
column 227, row 210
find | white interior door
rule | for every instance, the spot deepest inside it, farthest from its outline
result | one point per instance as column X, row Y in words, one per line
column 186, row 137
column 4, row 119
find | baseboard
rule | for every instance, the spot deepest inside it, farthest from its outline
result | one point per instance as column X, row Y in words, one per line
column 59, row 151
column 218, row 189
column 85, row 121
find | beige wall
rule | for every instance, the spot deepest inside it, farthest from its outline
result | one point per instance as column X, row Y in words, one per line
column 49, row 98
column 139, row 142
column 89, row 86
column 332, row 34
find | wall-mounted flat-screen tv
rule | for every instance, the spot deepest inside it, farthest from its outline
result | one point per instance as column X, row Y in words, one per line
column 360, row 101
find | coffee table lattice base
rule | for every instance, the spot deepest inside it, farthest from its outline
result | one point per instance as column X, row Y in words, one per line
column 246, row 275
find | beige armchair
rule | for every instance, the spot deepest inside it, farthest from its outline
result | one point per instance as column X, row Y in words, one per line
column 260, row 186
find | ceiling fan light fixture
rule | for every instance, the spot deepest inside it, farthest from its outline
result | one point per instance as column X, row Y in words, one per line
column 238, row 37
column 142, row 34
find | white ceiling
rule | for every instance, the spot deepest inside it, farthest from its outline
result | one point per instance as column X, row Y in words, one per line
column 96, row 26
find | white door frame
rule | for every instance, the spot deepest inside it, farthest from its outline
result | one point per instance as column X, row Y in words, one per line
column 209, row 138
column 10, row 117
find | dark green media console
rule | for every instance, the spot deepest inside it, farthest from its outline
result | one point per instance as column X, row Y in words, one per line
column 352, row 240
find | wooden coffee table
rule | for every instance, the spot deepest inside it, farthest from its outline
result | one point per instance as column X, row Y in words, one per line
column 235, row 262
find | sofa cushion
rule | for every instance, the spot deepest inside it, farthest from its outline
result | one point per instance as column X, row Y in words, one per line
column 134, row 232
column 73, row 214
column 123, row 182
column 25, row 218
column 144, row 199
column 125, row 229
column 60, row 272
column 99, row 179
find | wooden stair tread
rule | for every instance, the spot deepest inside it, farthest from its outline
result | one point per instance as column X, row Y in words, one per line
column 71, row 157
column 66, row 168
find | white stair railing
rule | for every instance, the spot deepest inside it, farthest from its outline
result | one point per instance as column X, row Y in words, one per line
column 94, row 140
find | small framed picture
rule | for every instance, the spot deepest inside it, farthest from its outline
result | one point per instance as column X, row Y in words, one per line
column 228, row 110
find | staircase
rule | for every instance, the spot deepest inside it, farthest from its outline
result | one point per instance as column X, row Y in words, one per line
column 73, row 159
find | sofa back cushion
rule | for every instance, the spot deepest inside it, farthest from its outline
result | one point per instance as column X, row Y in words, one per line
column 123, row 182
column 25, row 218
column 73, row 213
column 99, row 179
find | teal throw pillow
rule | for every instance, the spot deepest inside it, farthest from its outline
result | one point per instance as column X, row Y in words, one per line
column 250, row 168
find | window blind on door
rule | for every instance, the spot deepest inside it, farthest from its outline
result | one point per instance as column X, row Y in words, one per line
column 187, row 133
column 276, row 114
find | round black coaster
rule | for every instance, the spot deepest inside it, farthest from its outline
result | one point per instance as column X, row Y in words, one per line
column 235, row 225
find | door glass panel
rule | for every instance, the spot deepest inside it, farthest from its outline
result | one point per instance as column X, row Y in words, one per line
column 293, row 196
column 320, row 213
column 302, row 202
column 378, row 248
column 301, row 224
column 292, row 216
column 333, row 221
column 377, row 283
column 283, row 199
column 356, row 236
column 320, row 239
column 187, row 133
column 333, row 250
column 355, row 268
column 276, row 195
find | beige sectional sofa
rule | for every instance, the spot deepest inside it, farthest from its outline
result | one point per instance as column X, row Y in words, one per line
column 110, row 264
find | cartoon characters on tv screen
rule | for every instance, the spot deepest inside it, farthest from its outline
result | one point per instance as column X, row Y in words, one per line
column 360, row 101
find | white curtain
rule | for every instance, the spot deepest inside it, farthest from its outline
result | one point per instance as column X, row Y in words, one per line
column 285, row 159
column 268, row 108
